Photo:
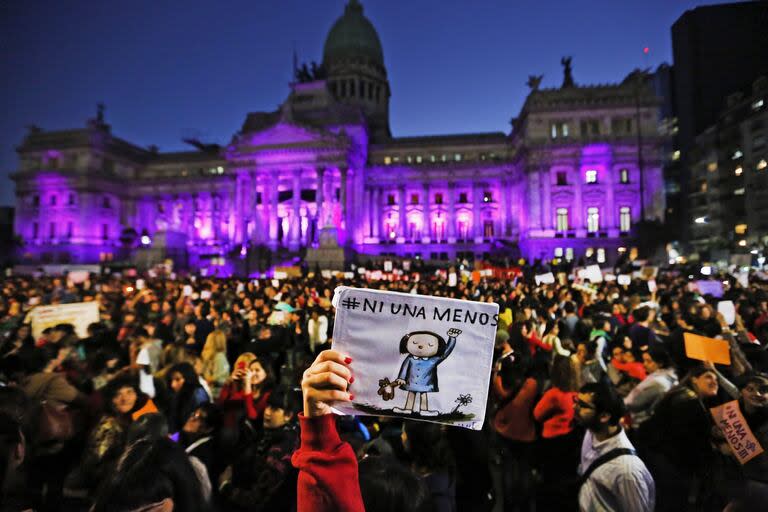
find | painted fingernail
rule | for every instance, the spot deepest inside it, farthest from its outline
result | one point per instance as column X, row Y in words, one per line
column 352, row 379
column 348, row 360
column 351, row 396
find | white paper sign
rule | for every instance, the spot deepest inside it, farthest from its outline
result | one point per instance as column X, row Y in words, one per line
column 349, row 275
column 279, row 274
column 743, row 279
column 326, row 274
column 609, row 278
column 594, row 274
column 388, row 266
column 79, row 314
column 240, row 288
column 728, row 310
column 275, row 283
column 78, row 276
column 652, row 285
column 205, row 294
column 187, row 290
column 415, row 356
column 624, row 279
column 452, row 279
column 140, row 284
column 548, row 278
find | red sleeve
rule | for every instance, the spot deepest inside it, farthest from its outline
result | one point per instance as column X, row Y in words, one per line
column 547, row 407
column 535, row 341
column 498, row 388
column 328, row 478
column 634, row 370
column 255, row 409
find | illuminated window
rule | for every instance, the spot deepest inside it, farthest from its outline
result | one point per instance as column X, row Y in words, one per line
column 756, row 105
column 601, row 255
column 418, row 159
column 569, row 254
column 712, row 166
column 558, row 252
column 387, row 160
column 676, row 155
column 625, row 219
column 740, row 229
column 624, row 175
column 409, row 159
column 762, row 164
column 739, row 191
column 737, row 154
column 553, row 130
column 558, row 130
column 487, row 197
column 591, row 176
column 593, row 219
column 457, row 157
column 562, row 219
column 432, row 158
column 562, row 178
column 738, row 171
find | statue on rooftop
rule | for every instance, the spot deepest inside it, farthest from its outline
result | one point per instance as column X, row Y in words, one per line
column 567, row 72
column 534, row 81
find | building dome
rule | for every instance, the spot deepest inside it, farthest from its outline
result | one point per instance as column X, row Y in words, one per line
column 352, row 36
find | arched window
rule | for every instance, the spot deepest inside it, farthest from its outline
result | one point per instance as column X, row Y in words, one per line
column 625, row 219
column 593, row 219
column 562, row 219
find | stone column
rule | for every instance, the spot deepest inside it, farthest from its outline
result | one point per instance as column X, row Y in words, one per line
column 376, row 207
column 611, row 213
column 402, row 213
column 546, row 187
column 320, row 215
column 578, row 218
column 240, row 219
column 451, row 227
column 296, row 203
column 506, row 203
column 343, row 192
column 477, row 192
column 273, row 218
column 427, row 231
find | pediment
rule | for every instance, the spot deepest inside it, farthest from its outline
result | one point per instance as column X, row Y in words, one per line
column 288, row 134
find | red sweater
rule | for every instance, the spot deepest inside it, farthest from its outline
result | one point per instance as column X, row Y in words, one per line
column 635, row 370
column 328, row 479
column 555, row 411
column 535, row 343
column 514, row 420
column 255, row 408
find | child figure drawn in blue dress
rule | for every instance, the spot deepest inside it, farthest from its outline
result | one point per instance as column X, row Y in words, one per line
column 418, row 373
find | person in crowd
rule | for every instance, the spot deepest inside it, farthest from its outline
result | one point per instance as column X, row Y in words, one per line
column 186, row 395
column 257, row 386
column 152, row 476
column 317, row 329
column 613, row 477
column 515, row 390
column 199, row 437
column 558, row 449
column 261, row 477
column 13, row 450
column 125, row 404
column 625, row 373
column 432, row 460
column 640, row 333
column 588, row 362
column 642, row 399
column 215, row 369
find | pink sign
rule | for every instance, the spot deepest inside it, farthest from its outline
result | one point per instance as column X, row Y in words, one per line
column 742, row 441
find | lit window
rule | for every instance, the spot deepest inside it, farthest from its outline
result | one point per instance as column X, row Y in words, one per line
column 591, row 176
column 569, row 254
column 700, row 220
column 740, row 229
column 622, row 250
column 624, row 175
column 712, row 166
column 396, row 159
column 553, row 130
column 593, row 219
column 739, row 191
column 564, row 129
column 558, row 252
column 737, row 154
column 418, row 159
column 742, row 243
column 601, row 255
column 487, row 197
column 562, row 219
column 758, row 104
column 676, row 155
column 738, row 171
column 387, row 160
column 762, row 164
column 432, row 158
column 457, row 157
column 409, row 159
column 625, row 219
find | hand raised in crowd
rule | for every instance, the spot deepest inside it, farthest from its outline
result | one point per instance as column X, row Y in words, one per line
column 325, row 382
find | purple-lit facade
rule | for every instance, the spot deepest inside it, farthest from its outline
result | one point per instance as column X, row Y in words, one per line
column 564, row 181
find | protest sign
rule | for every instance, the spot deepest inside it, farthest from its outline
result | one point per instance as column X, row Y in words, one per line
column 275, row 283
column 594, row 274
column 728, row 310
column 547, row 278
column 326, row 274
column 78, row 276
column 647, row 273
column 349, row 275
column 400, row 343
column 79, row 314
column 609, row 278
column 187, row 291
column 140, row 284
column 742, row 441
column 205, row 294
column 452, row 279
column 713, row 288
column 279, row 274
column 652, row 285
column 707, row 349
column 388, row 266
column 743, row 279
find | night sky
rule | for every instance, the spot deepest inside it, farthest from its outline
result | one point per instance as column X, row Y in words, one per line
column 174, row 69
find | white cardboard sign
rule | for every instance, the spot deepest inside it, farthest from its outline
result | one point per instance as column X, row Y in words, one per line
column 79, row 314
column 548, row 278
column 415, row 356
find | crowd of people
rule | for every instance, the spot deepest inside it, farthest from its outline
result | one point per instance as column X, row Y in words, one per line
column 214, row 394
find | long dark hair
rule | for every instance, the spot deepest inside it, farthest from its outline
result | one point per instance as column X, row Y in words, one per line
column 151, row 471
column 191, row 382
column 428, row 447
column 388, row 486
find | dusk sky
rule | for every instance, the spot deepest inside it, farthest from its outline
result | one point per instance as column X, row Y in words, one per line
column 173, row 69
